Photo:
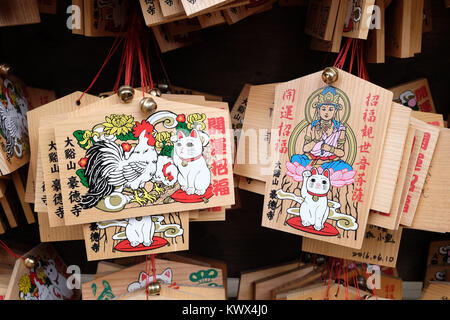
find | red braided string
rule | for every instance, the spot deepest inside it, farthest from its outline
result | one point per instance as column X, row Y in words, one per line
column 4, row 246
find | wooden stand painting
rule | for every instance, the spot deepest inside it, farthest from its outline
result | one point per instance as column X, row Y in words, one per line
column 328, row 146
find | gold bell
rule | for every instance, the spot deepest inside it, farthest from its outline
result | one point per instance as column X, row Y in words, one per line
column 154, row 288
column 155, row 92
column 147, row 105
column 5, row 69
column 330, row 75
column 163, row 87
column 29, row 262
column 126, row 93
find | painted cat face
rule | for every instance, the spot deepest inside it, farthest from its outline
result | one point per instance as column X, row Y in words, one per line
column 189, row 146
column 318, row 183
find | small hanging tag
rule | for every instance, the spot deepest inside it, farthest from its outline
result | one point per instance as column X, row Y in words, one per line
column 135, row 278
column 168, row 43
column 171, row 8
column 211, row 19
column 46, row 279
column 19, row 13
column 149, row 151
column 153, row 15
column 319, row 137
column 103, row 18
column 252, row 185
column 380, row 246
column 52, row 234
column 398, row 29
column 193, row 7
column 334, row 45
column 437, row 273
column 439, row 253
column 137, row 236
column 14, row 140
column 415, row 95
column 321, row 18
column 236, row 14
column 358, row 18
column 426, row 138
column 238, row 112
column 40, row 197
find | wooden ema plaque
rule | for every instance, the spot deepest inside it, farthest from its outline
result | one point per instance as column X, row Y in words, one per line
column 332, row 137
column 103, row 18
column 357, row 20
column 88, row 145
column 47, row 280
column 14, row 143
column 415, row 95
column 334, row 45
column 321, row 18
column 380, row 246
column 134, row 278
column 137, row 236
column 376, row 40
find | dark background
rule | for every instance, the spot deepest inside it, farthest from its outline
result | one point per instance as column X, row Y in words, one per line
column 266, row 48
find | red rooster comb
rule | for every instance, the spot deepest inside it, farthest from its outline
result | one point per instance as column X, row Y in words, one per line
column 148, row 128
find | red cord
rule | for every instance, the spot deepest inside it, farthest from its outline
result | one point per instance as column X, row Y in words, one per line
column 4, row 246
column 329, row 280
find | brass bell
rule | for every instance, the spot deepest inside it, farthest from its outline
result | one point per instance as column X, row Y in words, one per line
column 126, row 93
column 147, row 105
column 154, row 288
column 163, row 87
column 29, row 262
column 155, row 92
column 5, row 69
column 330, row 75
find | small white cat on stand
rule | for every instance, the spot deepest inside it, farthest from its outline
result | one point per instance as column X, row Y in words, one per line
column 194, row 176
column 314, row 209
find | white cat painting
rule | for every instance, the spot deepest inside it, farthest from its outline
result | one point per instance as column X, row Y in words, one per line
column 140, row 230
column 58, row 280
column 314, row 209
column 145, row 279
column 194, row 176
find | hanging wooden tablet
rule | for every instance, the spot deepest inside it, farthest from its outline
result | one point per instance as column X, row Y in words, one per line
column 116, row 135
column 62, row 105
column 38, row 97
column 321, row 18
column 183, row 26
column 264, row 287
column 103, row 18
column 246, row 287
column 171, row 8
column 237, row 112
column 398, row 29
column 19, row 13
column 236, row 14
column 358, row 18
column 380, row 246
column 254, row 151
column 179, row 292
column 52, row 234
column 11, row 216
column 439, row 253
column 46, row 279
column 436, row 291
column 376, row 40
column 390, row 220
column 14, row 141
column 210, row 214
column 436, row 273
column 324, row 292
column 196, row 6
column 211, row 19
column 416, row 27
column 279, row 293
column 427, row 140
column 168, row 43
column 393, row 147
column 153, row 15
column 432, row 210
column 348, row 150
column 136, row 277
column 20, row 190
column 137, row 236
column 334, row 45
column 252, row 185
column 416, row 95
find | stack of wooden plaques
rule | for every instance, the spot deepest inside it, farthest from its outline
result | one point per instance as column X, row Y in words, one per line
column 336, row 280
column 407, row 187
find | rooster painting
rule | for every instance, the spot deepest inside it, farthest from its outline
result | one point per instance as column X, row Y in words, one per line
column 13, row 123
column 111, row 167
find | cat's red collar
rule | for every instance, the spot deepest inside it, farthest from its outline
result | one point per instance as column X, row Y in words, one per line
column 190, row 159
column 316, row 194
